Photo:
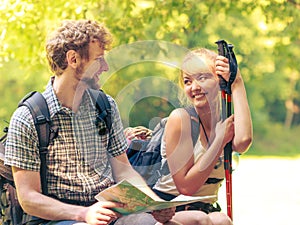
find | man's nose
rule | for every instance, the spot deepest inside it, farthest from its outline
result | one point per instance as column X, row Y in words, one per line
column 105, row 66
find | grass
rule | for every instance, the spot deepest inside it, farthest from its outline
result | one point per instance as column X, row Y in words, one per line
column 276, row 141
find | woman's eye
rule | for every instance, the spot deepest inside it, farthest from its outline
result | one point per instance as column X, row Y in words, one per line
column 203, row 77
column 186, row 81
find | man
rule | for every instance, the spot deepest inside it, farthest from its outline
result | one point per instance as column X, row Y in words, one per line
column 80, row 162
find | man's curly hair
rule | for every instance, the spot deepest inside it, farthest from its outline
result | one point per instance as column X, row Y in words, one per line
column 74, row 35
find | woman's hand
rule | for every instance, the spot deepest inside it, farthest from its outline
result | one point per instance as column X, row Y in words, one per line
column 225, row 129
column 164, row 215
column 222, row 67
column 138, row 132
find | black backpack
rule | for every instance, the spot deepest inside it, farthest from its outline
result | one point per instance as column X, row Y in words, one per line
column 11, row 211
column 145, row 155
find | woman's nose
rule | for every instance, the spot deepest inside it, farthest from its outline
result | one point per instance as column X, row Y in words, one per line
column 196, row 85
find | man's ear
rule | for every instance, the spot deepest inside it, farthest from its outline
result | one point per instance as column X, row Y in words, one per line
column 72, row 58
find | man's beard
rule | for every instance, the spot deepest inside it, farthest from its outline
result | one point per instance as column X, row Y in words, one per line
column 90, row 82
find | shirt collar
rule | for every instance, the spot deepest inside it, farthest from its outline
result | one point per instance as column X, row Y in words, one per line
column 55, row 106
column 51, row 98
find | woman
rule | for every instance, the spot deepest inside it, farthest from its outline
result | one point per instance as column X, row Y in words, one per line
column 198, row 170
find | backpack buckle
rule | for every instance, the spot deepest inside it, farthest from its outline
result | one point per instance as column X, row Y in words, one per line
column 41, row 119
column 43, row 150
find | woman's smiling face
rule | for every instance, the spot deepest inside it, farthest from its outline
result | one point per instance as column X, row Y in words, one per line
column 201, row 88
column 200, row 84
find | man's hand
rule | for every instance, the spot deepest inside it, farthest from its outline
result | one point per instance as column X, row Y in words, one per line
column 164, row 215
column 101, row 213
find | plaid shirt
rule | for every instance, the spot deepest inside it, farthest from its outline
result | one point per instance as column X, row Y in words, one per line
column 77, row 159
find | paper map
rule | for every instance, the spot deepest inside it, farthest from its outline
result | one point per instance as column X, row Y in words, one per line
column 137, row 201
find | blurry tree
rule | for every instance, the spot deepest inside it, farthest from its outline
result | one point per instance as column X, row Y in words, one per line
column 265, row 34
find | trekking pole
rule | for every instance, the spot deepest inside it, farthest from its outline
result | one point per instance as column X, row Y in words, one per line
column 225, row 49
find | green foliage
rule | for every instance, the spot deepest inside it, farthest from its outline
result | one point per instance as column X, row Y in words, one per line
column 276, row 140
column 265, row 35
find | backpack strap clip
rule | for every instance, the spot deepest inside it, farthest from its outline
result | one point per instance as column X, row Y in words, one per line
column 104, row 110
column 41, row 119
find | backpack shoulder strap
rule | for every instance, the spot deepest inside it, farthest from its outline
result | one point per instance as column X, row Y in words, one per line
column 195, row 123
column 38, row 107
column 103, row 107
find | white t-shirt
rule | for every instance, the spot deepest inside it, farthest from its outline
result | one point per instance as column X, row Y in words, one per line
column 167, row 185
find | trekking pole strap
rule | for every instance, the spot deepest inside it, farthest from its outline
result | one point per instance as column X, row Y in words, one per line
column 226, row 50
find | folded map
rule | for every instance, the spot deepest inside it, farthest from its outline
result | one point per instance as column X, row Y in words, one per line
column 136, row 201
